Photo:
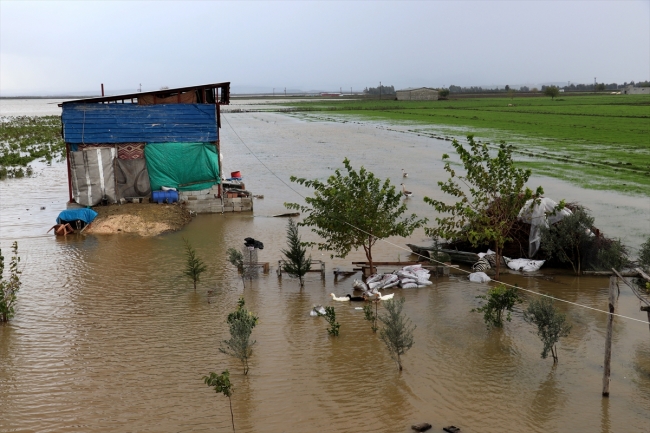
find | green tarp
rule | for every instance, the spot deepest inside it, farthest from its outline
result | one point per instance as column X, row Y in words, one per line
column 184, row 166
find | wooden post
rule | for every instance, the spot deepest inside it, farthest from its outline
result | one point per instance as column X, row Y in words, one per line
column 647, row 310
column 608, row 341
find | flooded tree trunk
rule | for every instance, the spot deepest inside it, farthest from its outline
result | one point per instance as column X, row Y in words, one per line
column 608, row 341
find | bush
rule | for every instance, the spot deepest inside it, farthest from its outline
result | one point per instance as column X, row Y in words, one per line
column 9, row 288
column 330, row 316
column 194, row 266
column 644, row 255
column 499, row 299
column 297, row 263
column 241, row 323
column 397, row 332
column 551, row 324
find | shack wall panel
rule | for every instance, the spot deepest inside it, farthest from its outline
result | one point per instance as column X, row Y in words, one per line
column 125, row 123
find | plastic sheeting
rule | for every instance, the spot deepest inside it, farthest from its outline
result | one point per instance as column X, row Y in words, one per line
column 525, row 265
column 540, row 214
column 132, row 178
column 93, row 177
column 70, row 215
column 479, row 277
column 184, row 166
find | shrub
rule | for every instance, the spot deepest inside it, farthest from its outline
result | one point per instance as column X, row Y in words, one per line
column 194, row 266
column 9, row 288
column 644, row 254
column 221, row 384
column 330, row 316
column 296, row 263
column 239, row 345
column 499, row 300
column 551, row 324
column 397, row 332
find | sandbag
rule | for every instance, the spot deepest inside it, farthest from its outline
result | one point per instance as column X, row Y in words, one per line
column 525, row 265
column 479, row 277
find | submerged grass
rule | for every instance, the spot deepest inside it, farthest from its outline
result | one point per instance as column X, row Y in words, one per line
column 596, row 141
column 25, row 139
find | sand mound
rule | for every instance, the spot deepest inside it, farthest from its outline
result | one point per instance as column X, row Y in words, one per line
column 141, row 219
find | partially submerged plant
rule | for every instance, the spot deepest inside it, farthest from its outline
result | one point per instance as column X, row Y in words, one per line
column 9, row 288
column 221, row 384
column 194, row 266
column 644, row 255
column 236, row 258
column 490, row 195
column 330, row 316
column 239, row 345
column 397, row 332
column 551, row 324
column 370, row 315
column 297, row 263
column 499, row 300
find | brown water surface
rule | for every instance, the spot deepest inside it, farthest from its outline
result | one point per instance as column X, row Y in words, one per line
column 108, row 336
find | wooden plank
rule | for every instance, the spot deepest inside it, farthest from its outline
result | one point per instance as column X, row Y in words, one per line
column 608, row 339
column 643, row 274
column 610, row 273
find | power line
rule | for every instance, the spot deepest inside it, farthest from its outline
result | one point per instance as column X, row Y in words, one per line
column 420, row 255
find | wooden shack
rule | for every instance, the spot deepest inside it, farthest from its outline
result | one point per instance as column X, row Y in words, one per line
column 128, row 147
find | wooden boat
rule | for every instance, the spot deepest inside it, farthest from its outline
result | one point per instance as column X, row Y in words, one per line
column 463, row 257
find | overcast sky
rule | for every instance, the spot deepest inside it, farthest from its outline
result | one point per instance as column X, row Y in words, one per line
column 64, row 47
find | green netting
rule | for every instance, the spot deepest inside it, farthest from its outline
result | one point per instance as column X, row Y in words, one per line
column 184, row 166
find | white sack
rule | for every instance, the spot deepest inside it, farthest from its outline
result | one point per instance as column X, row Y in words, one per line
column 525, row 265
column 479, row 277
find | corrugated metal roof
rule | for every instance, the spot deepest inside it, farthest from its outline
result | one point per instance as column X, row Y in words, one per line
column 223, row 99
column 132, row 123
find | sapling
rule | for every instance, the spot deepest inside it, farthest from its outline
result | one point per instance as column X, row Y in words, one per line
column 239, row 345
column 9, row 288
column 551, row 324
column 221, row 384
column 330, row 316
column 297, row 263
column 194, row 266
column 236, row 258
column 499, row 299
column 397, row 332
column 370, row 315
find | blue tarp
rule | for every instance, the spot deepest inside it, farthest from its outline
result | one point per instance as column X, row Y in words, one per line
column 85, row 215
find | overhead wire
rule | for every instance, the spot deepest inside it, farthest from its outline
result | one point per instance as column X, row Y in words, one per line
column 428, row 258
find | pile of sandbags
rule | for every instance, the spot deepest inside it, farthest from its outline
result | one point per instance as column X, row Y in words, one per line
column 408, row 277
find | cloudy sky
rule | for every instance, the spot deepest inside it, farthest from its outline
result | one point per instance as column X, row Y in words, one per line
column 57, row 47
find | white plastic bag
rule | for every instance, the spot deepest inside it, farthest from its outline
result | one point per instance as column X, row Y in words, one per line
column 479, row 277
column 525, row 265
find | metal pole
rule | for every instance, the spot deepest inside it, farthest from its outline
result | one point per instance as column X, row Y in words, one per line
column 102, row 89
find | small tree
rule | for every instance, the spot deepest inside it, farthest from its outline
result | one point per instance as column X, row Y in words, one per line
column 370, row 315
column 297, row 263
column 491, row 194
column 194, row 266
column 330, row 316
column 397, row 332
column 236, row 258
column 239, row 345
column 443, row 93
column 221, row 384
column 644, row 254
column 354, row 210
column 9, row 288
column 499, row 299
column 551, row 324
column 552, row 91
column 568, row 239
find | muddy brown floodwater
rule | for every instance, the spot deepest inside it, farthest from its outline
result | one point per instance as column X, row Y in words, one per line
column 108, row 336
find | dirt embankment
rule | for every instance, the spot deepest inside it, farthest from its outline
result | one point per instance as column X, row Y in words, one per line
column 144, row 219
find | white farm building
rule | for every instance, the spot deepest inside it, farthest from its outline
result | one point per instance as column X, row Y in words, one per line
column 419, row 94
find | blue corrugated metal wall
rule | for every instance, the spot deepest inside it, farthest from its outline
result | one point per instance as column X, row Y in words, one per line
column 132, row 123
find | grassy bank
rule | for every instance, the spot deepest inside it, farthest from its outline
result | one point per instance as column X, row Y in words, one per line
column 596, row 141
column 28, row 138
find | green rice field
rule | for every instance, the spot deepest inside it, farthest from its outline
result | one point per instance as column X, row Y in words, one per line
column 596, row 141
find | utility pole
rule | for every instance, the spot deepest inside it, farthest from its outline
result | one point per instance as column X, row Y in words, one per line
column 380, row 90
column 285, row 91
column 102, row 89
column 350, row 90
column 140, row 88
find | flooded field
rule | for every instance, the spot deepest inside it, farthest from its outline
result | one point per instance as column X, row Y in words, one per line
column 108, row 336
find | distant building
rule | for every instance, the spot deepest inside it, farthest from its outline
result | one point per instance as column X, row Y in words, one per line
column 419, row 94
column 631, row 90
